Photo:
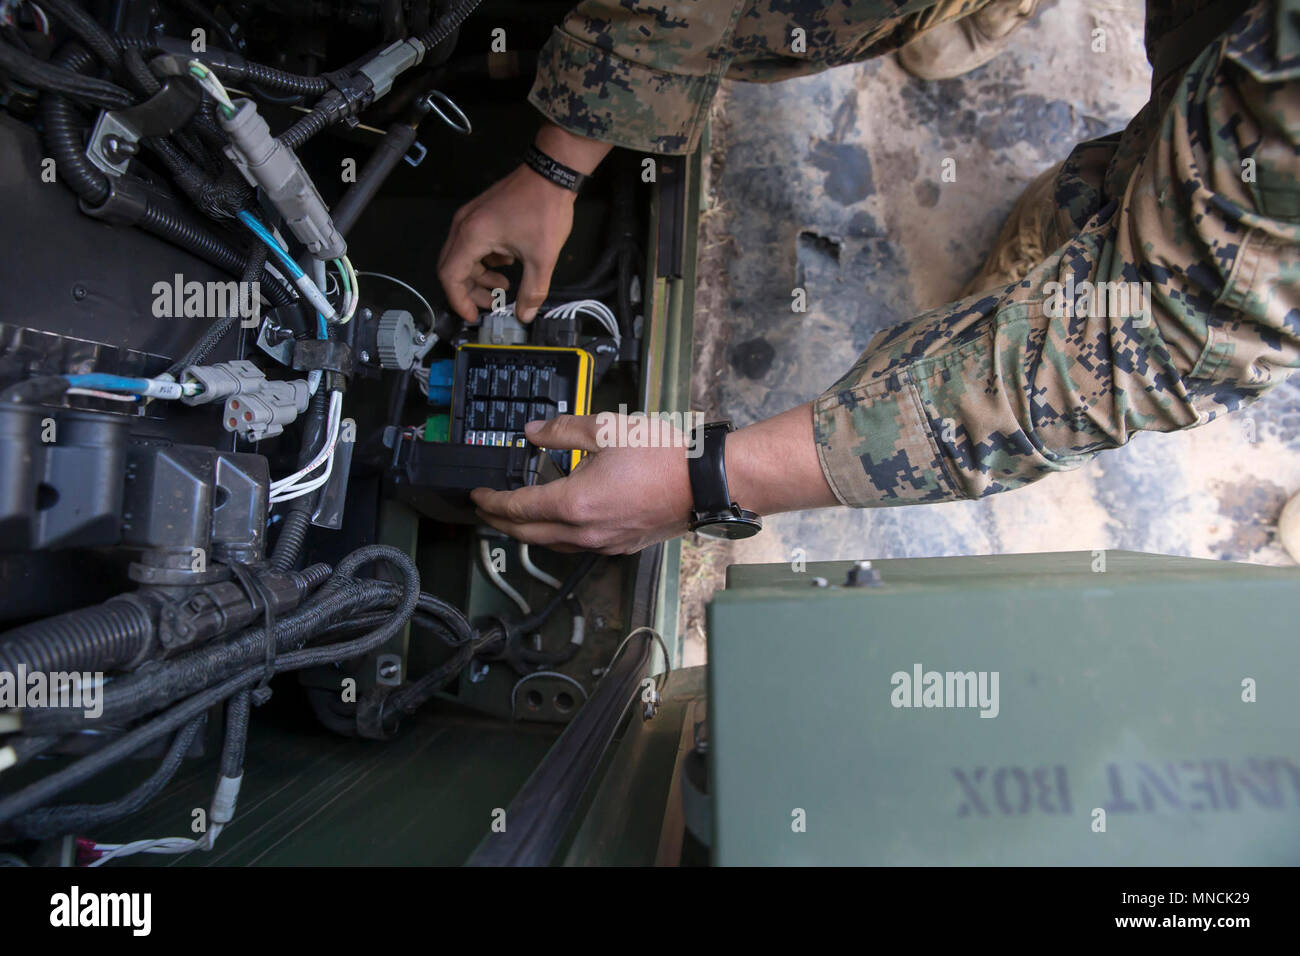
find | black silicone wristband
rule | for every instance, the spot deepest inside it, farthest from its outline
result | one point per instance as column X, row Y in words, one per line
column 708, row 470
column 553, row 169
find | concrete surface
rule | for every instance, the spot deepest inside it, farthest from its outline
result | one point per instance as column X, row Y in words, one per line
column 832, row 183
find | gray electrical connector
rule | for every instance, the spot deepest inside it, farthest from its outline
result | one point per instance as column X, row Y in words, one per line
column 256, row 407
column 395, row 59
column 269, row 165
column 222, row 380
column 264, row 413
column 501, row 328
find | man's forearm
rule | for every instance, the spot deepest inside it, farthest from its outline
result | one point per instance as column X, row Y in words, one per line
column 772, row 466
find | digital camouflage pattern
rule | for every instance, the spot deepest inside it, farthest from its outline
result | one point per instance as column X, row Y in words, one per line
column 642, row 75
column 1198, row 199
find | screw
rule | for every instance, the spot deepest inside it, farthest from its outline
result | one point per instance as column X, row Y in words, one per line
column 819, row 583
column 116, row 149
column 78, row 292
column 388, row 670
column 862, row 575
column 364, row 355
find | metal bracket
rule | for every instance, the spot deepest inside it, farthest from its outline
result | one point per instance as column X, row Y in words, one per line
column 276, row 341
column 117, row 133
column 420, row 151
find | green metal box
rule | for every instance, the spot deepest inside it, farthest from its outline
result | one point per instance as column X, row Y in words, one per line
column 1147, row 712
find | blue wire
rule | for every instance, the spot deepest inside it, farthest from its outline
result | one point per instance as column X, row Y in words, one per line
column 259, row 230
column 108, row 383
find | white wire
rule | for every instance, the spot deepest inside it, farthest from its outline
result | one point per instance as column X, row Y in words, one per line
column 533, row 570
column 594, row 308
column 409, row 288
column 485, row 552
column 44, row 25
column 668, row 661
column 208, row 80
column 325, row 454
column 95, row 393
column 335, row 413
column 172, row 845
column 297, row 491
column 356, row 291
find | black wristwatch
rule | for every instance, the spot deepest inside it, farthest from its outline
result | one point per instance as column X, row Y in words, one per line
column 715, row 514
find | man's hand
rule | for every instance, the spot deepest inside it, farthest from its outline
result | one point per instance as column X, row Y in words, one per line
column 617, row 501
column 523, row 218
column 622, row 499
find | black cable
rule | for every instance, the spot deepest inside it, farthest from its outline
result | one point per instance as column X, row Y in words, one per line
column 236, row 739
column 334, row 107
column 78, row 817
column 98, row 40
column 448, row 23
column 531, row 623
column 45, row 789
column 395, row 144
column 201, row 349
column 102, row 637
column 200, row 14
column 524, row 658
column 397, row 397
column 63, row 138
column 230, row 67
column 257, row 590
column 53, row 78
column 297, row 522
column 143, row 692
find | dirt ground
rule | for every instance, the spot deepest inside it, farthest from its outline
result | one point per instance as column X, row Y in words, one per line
column 832, row 183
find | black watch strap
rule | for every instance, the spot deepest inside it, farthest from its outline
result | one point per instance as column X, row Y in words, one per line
column 553, row 169
column 708, row 470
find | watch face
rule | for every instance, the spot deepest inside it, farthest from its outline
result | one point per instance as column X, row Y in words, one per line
column 733, row 529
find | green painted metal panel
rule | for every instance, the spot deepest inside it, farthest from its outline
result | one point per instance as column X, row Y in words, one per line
column 1120, row 690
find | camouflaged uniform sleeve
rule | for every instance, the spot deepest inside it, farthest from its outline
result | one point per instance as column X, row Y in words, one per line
column 1002, row 388
column 642, row 75
column 636, row 75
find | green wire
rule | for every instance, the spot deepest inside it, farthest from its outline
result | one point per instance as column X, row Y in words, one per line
column 343, row 272
column 202, row 72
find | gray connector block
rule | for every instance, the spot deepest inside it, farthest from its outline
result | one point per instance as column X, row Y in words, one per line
column 265, row 412
column 222, row 380
column 395, row 59
column 501, row 328
column 256, row 407
column 274, row 169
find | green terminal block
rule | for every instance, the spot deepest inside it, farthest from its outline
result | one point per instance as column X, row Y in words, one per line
column 437, row 427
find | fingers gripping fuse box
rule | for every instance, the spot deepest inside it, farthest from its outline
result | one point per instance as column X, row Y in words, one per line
column 496, row 390
column 500, row 388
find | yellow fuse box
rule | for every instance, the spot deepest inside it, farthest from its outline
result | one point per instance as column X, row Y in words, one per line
column 499, row 388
